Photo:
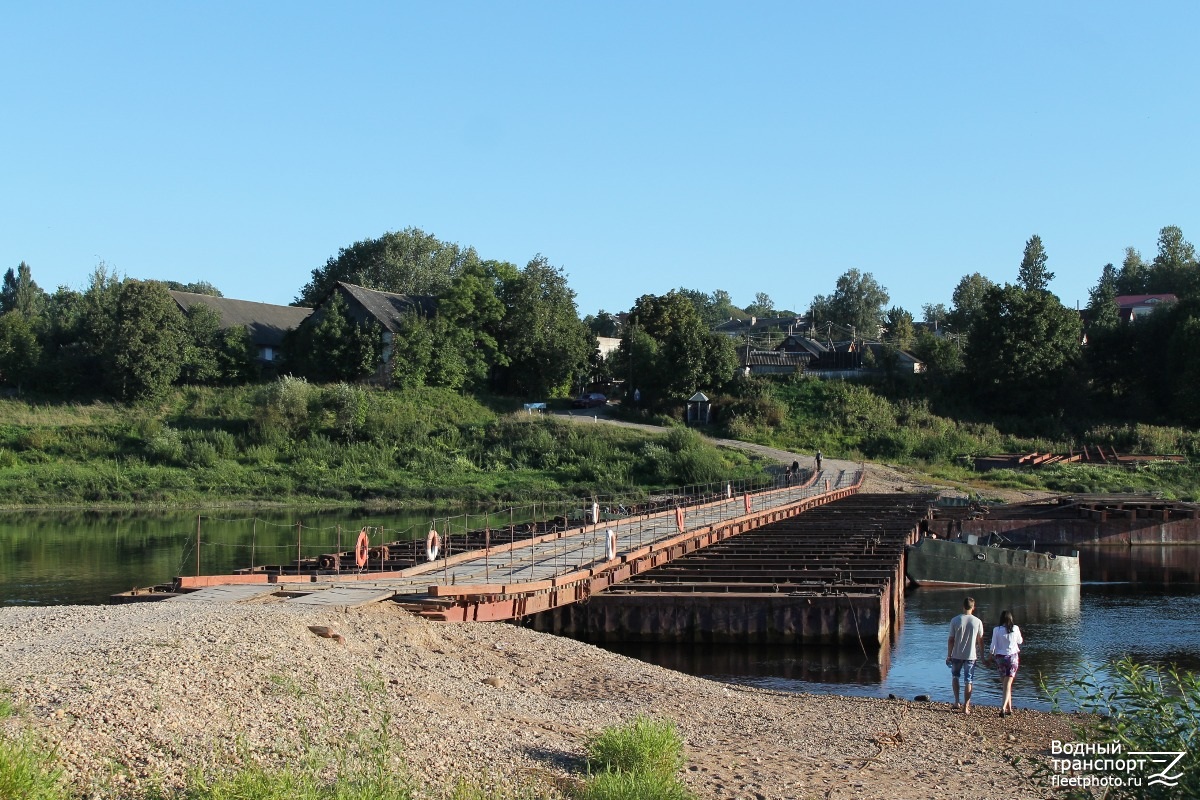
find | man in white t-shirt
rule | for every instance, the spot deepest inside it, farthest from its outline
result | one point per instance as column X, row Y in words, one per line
column 963, row 649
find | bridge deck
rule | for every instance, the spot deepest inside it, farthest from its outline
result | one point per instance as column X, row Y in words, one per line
column 520, row 577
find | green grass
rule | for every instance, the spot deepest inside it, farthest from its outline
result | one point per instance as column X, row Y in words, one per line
column 28, row 772
column 294, row 443
column 634, row 786
column 643, row 745
column 635, row 761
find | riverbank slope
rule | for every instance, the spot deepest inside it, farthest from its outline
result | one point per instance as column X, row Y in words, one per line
column 133, row 696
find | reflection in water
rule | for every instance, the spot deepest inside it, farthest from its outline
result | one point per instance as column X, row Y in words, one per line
column 1155, row 619
column 84, row 558
column 832, row 665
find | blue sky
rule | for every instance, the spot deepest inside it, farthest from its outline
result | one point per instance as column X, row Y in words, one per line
column 640, row 146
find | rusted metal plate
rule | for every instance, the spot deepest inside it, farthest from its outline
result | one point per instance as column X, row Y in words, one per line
column 232, row 593
column 344, row 597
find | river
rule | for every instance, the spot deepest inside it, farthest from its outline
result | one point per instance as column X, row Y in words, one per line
column 1143, row 602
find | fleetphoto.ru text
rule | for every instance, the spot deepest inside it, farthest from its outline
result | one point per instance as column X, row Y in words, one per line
column 1103, row 765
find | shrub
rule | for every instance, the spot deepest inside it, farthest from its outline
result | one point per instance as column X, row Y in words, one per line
column 165, row 446
column 1144, row 709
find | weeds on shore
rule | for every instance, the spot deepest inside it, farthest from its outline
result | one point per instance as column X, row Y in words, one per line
column 295, row 442
column 27, row 772
column 1139, row 712
column 636, row 761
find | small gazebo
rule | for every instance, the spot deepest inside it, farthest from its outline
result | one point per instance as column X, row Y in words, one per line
column 699, row 409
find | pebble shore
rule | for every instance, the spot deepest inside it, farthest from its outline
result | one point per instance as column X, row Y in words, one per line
column 137, row 696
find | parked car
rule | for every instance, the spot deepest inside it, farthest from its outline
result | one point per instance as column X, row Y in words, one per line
column 589, row 400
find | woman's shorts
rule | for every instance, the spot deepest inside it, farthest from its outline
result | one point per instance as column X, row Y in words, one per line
column 1008, row 665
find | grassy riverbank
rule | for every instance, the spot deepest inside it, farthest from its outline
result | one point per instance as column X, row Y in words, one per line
column 868, row 422
column 295, row 443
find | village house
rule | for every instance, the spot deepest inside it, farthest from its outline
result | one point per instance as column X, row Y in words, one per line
column 266, row 323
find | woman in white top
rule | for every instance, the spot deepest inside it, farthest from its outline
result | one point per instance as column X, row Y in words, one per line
column 1006, row 649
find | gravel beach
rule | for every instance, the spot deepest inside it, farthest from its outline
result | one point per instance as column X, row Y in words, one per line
column 136, row 696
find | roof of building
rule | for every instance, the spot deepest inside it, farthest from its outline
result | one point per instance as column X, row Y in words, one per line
column 796, row 343
column 757, row 323
column 266, row 323
column 389, row 308
column 1131, row 300
column 773, row 358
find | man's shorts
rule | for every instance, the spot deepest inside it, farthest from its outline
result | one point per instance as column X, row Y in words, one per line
column 966, row 668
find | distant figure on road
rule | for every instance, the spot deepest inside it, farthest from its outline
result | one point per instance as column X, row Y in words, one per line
column 962, row 651
column 796, row 469
column 787, row 476
column 818, row 461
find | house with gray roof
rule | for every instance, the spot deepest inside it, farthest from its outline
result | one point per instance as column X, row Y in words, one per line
column 266, row 323
column 388, row 310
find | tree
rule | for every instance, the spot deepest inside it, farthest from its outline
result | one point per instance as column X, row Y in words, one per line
column 142, row 356
column 407, row 262
column 934, row 314
column 469, row 319
column 763, row 305
column 669, row 353
column 1033, row 275
column 18, row 292
column 968, row 301
column 197, row 287
column 1102, row 301
column 900, row 331
column 1023, row 352
column 1133, row 276
column 857, row 303
column 547, row 346
column 330, row 347
column 1174, row 266
column 713, row 308
column 202, row 341
column 19, row 350
column 603, row 324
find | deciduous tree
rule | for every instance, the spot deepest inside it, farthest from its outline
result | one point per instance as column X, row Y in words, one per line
column 856, row 303
column 547, row 346
column 142, row 356
column 407, row 262
column 968, row 300
column 1023, row 352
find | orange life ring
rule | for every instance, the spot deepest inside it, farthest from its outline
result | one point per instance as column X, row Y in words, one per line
column 679, row 518
column 361, row 548
column 610, row 545
column 432, row 545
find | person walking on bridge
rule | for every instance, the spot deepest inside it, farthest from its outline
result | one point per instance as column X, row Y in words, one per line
column 818, row 461
column 962, row 651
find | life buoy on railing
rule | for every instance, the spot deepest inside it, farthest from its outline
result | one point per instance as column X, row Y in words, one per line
column 610, row 545
column 679, row 518
column 361, row 548
column 433, row 545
